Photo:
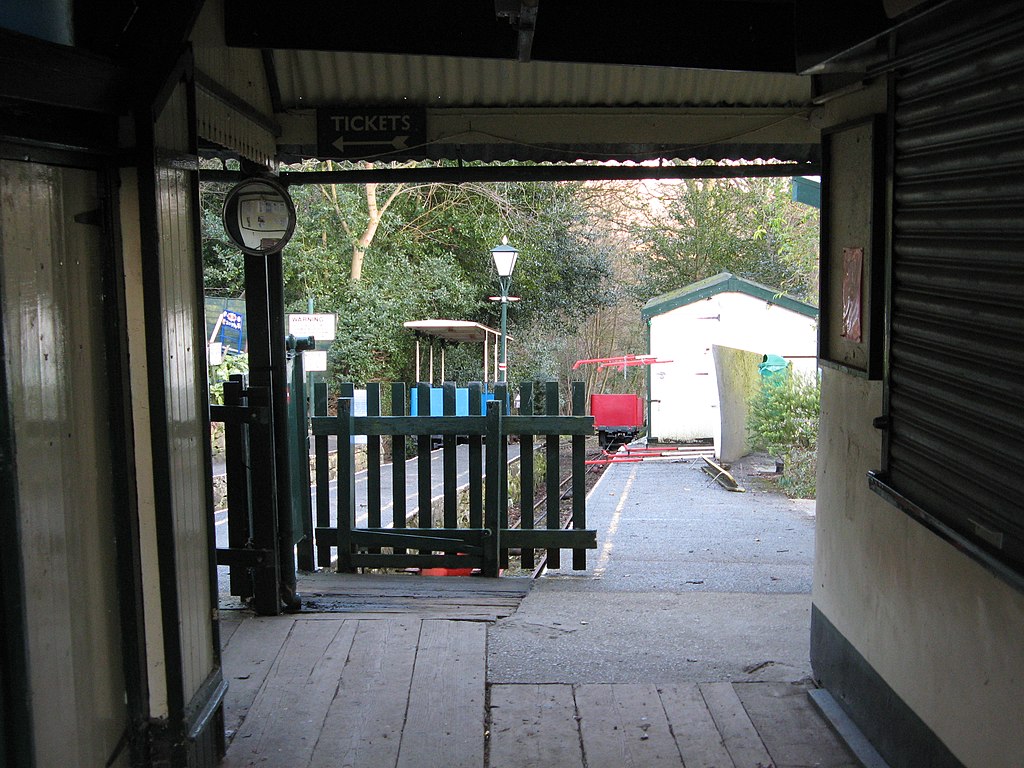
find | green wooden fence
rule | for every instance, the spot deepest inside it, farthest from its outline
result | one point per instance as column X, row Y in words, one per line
column 483, row 538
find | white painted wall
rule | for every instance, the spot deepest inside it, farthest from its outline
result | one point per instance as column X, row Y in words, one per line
column 944, row 634
column 940, row 629
column 684, row 393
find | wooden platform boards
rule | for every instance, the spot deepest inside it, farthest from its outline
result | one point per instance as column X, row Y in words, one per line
column 407, row 692
column 324, row 691
column 711, row 725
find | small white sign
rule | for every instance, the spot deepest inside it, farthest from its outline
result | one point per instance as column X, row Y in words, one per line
column 320, row 326
column 314, row 360
column 215, row 350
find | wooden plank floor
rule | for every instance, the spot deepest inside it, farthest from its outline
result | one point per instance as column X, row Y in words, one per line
column 640, row 725
column 402, row 690
column 356, row 692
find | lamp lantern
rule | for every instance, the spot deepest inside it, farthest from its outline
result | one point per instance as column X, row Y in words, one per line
column 504, row 256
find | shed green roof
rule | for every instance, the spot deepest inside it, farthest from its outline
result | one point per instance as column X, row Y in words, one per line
column 724, row 282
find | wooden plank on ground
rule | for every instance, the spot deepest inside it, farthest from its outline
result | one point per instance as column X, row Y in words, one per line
column 623, row 726
column 424, row 608
column 424, row 614
column 740, row 737
column 791, row 727
column 247, row 660
column 697, row 737
column 363, row 727
column 534, row 726
column 445, row 722
column 284, row 723
column 329, row 582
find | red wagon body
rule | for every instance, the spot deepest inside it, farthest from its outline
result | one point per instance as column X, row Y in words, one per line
column 617, row 418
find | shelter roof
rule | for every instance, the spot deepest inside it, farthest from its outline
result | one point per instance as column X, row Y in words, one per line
column 455, row 82
column 454, row 330
column 724, row 282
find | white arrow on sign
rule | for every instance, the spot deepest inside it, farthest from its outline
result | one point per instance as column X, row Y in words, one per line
column 399, row 142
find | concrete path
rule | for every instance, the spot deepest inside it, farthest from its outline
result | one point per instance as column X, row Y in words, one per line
column 689, row 583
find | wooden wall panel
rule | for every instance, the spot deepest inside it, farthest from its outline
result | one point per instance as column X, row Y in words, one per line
column 51, row 291
column 179, row 294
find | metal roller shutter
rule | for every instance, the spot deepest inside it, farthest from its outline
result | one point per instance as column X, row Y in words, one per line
column 956, row 365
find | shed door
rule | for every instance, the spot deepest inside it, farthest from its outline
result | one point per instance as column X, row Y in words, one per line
column 956, row 382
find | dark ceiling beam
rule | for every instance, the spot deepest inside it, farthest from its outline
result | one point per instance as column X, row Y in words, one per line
column 36, row 71
column 456, row 175
column 848, row 36
column 754, row 35
column 145, row 37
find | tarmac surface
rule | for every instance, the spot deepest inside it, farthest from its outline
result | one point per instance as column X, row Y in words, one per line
column 690, row 583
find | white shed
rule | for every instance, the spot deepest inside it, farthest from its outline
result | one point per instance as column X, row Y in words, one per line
column 725, row 310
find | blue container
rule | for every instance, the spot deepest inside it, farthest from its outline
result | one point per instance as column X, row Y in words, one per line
column 437, row 401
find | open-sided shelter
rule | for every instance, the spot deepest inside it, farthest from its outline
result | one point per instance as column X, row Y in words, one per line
column 913, row 108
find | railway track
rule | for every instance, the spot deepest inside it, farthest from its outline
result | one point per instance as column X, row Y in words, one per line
column 541, row 502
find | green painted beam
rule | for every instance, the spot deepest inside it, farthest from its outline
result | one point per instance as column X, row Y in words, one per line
column 541, row 538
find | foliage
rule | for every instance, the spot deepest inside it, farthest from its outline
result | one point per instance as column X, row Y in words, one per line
column 223, row 263
column 223, row 371
column 590, row 254
column 783, row 420
column 749, row 227
column 799, row 478
column 430, row 258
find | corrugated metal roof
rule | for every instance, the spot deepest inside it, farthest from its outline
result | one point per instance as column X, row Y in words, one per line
column 316, row 78
column 498, row 109
column 724, row 282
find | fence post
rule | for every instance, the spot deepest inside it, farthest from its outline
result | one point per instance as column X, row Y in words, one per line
column 551, row 472
column 321, row 448
column 579, row 477
column 399, row 511
column 300, row 480
column 493, row 498
column 501, row 395
column 449, row 467
column 424, row 481
column 526, row 473
column 346, row 483
column 373, row 462
column 236, row 460
column 476, row 460
column 267, row 577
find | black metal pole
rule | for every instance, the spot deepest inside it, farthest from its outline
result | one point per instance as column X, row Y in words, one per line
column 266, row 589
column 279, row 376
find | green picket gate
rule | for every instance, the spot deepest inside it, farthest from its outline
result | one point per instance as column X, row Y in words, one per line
column 482, row 538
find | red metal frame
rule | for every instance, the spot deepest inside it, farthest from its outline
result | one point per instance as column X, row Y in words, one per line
column 621, row 361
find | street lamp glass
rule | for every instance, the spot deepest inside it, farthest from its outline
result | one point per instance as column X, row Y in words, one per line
column 504, row 259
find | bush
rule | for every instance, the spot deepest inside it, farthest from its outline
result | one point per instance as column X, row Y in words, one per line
column 783, row 420
column 218, row 374
column 223, row 371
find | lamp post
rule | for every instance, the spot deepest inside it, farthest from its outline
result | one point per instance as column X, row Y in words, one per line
column 504, row 256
